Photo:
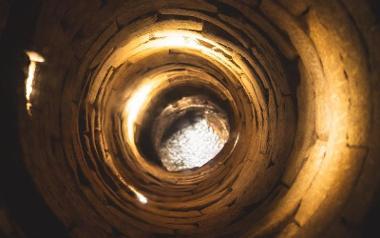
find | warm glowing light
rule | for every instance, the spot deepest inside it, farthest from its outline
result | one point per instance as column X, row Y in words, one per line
column 150, row 43
column 194, row 41
column 174, row 39
column 134, row 105
column 139, row 196
column 34, row 59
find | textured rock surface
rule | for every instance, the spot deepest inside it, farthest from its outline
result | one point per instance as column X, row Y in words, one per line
column 192, row 146
column 301, row 80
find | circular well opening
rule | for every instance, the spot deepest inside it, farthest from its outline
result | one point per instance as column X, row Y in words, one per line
column 194, row 132
column 186, row 128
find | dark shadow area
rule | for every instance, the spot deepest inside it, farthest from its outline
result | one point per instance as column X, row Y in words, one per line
column 22, row 201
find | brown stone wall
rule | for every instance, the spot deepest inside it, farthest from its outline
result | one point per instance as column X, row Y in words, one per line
column 301, row 76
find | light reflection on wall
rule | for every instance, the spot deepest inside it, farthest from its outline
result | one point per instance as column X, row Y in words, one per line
column 170, row 39
column 34, row 58
column 140, row 197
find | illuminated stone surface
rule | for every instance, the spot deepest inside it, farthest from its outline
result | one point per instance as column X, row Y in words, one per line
column 301, row 78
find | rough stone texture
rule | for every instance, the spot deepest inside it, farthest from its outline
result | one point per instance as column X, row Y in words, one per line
column 303, row 81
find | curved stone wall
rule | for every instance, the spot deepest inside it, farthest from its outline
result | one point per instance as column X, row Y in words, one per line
column 298, row 81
